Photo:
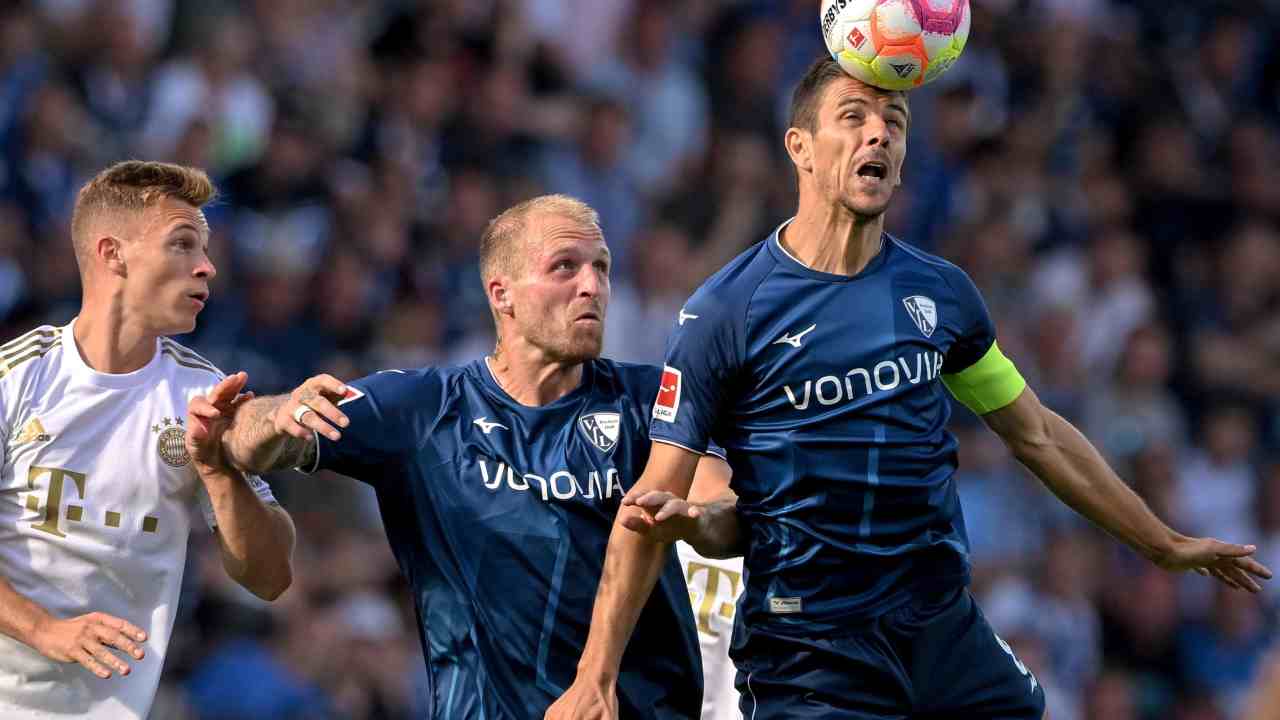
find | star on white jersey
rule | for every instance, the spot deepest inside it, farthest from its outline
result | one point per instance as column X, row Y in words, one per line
column 487, row 426
column 794, row 340
column 685, row 316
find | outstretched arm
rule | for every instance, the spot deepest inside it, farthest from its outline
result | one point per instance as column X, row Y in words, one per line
column 631, row 567
column 1073, row 469
column 278, row 432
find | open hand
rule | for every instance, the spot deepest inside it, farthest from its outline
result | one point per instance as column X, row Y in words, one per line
column 88, row 640
column 208, row 417
column 1231, row 564
column 659, row 515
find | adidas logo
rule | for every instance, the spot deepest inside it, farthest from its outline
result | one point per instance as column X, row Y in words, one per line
column 32, row 432
column 903, row 70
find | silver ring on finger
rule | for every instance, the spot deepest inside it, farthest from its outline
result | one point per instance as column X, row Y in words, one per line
column 301, row 410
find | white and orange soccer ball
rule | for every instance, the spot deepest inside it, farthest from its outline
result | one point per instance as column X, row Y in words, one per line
column 895, row 44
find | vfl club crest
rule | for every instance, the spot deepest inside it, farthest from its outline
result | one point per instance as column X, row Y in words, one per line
column 601, row 429
column 171, row 442
column 923, row 312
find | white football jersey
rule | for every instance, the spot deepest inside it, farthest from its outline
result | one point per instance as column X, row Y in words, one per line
column 714, row 587
column 97, row 496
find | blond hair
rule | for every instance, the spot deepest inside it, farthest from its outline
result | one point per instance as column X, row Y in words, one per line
column 132, row 186
column 499, row 251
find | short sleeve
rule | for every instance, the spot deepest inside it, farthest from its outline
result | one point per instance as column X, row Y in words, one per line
column 702, row 360
column 977, row 332
column 390, row 413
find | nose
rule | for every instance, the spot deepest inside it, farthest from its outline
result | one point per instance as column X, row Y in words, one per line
column 875, row 130
column 589, row 282
column 206, row 270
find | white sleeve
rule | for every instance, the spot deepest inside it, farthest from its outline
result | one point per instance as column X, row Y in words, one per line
column 260, row 487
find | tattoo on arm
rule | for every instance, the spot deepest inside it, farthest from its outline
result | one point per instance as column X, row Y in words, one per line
column 297, row 453
column 253, row 444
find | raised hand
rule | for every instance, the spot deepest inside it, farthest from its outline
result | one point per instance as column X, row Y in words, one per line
column 89, row 640
column 1229, row 563
column 208, row 417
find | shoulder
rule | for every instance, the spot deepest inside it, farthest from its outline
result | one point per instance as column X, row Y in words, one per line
column 26, row 354
column 631, row 378
column 729, row 291
column 188, row 367
column 406, row 388
column 944, row 271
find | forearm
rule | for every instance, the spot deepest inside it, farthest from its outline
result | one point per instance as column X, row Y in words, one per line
column 256, row 538
column 1073, row 469
column 253, row 443
column 718, row 533
column 631, row 568
column 20, row 617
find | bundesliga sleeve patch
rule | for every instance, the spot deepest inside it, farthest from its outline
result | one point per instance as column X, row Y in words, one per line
column 668, row 402
column 353, row 393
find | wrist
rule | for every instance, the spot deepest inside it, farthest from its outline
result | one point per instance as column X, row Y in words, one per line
column 596, row 674
column 1164, row 547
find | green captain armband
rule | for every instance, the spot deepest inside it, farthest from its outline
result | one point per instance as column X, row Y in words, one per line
column 987, row 385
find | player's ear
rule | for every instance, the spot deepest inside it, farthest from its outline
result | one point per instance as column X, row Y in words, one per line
column 109, row 250
column 499, row 295
column 799, row 144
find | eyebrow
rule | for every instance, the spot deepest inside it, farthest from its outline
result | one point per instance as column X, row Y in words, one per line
column 860, row 100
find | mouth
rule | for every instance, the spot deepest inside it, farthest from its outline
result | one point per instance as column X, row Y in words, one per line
column 591, row 317
column 873, row 170
column 200, row 297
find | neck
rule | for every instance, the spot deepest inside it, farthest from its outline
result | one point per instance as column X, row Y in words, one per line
column 531, row 378
column 831, row 239
column 109, row 341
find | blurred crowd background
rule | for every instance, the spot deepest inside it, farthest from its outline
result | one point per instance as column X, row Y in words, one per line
column 1108, row 171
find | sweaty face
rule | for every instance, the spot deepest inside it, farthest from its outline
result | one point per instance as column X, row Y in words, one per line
column 859, row 145
column 562, row 291
column 168, row 268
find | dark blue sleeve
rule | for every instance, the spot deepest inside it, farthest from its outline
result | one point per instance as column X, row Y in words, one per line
column 391, row 414
column 975, row 332
column 703, row 358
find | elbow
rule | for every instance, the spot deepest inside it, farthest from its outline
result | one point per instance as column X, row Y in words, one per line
column 272, row 587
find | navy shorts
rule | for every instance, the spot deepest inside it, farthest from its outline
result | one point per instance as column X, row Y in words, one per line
column 933, row 659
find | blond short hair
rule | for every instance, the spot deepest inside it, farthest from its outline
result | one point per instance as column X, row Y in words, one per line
column 499, row 249
column 132, row 186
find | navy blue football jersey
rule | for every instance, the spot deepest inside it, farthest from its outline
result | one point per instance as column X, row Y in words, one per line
column 825, row 392
column 499, row 516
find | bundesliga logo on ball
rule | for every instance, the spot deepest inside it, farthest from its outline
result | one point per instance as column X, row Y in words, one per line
column 895, row 44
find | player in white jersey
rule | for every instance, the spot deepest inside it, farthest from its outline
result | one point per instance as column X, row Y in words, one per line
column 97, row 482
column 714, row 587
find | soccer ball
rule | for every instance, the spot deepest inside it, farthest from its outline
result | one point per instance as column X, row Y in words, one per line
column 895, row 44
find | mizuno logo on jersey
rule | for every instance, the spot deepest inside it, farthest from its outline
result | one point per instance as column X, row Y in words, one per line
column 923, row 312
column 667, row 405
column 685, row 316
column 860, row 382
column 486, row 426
column 601, row 429
column 32, row 432
column 795, row 340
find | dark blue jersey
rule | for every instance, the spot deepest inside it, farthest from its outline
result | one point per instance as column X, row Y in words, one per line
column 825, row 391
column 499, row 515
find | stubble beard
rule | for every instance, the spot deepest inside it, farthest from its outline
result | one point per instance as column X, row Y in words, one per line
column 573, row 345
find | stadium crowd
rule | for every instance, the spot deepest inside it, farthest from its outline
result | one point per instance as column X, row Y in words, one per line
column 1108, row 172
